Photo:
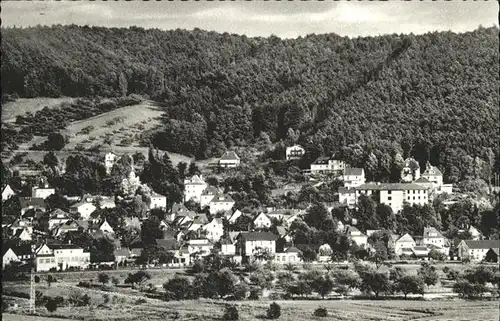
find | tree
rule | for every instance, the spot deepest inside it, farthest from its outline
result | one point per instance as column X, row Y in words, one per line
column 428, row 273
column 375, row 282
column 274, row 311
column 55, row 141
column 115, row 281
column 410, row 284
column 481, row 274
column 346, row 281
column 467, row 289
column 317, row 216
column 322, row 285
column 396, row 274
column 103, row 278
column 436, row 255
column 321, row 312
column 178, row 288
column 50, row 159
column 140, row 277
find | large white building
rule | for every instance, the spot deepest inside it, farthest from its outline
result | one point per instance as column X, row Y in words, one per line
column 395, row 195
column 326, row 165
column 476, row 250
column 193, row 188
column 109, row 161
column 249, row 243
column 294, row 152
column 158, row 201
column 61, row 257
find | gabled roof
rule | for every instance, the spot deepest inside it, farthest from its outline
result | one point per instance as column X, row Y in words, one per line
column 178, row 207
column 482, row 244
column 261, row 214
column 58, row 214
column 194, row 180
column 210, row 190
column 432, row 171
column 222, row 198
column 22, row 249
column 63, row 247
column 230, row 155
column 345, row 190
column 391, row 186
column 406, row 238
column 431, row 230
column 293, row 250
column 353, row 171
column 168, row 244
column 258, row 236
column 31, row 201
column 422, row 180
column 321, row 160
column 281, row 230
column 122, row 252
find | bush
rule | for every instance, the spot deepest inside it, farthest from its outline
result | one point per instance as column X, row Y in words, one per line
column 452, row 274
column 51, row 305
column 274, row 311
column 106, row 298
column 103, row 278
column 231, row 313
column 140, row 301
column 115, row 280
column 37, row 279
column 321, row 312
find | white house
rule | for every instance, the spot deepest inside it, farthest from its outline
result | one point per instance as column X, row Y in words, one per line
column 106, row 228
column 434, row 175
column 395, row 195
column 7, row 192
column 294, row 152
column 214, row 229
column 325, row 165
column 9, row 256
column 158, row 201
column 221, row 203
column 347, row 196
column 21, row 224
column 290, row 255
column 434, row 237
column 61, row 257
column 353, row 177
column 356, row 236
column 23, row 235
column 229, row 159
column 199, row 247
column 207, row 195
column 228, row 247
column 193, row 188
column 476, row 250
column 57, row 217
column 262, row 221
column 109, row 161
column 250, row 242
column 84, row 208
column 405, row 245
column 42, row 192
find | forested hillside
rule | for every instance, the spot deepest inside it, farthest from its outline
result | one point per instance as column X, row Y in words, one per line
column 434, row 96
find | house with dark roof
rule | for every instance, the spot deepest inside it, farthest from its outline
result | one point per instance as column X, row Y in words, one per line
column 434, row 237
column 294, row 152
column 476, row 250
column 353, row 177
column 7, row 193
column 34, row 203
column 207, row 195
column 221, row 203
column 251, row 242
column 229, row 159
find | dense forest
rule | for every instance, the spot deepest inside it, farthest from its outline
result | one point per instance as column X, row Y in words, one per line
column 433, row 96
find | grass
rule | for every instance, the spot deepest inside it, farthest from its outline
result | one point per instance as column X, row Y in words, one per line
column 23, row 105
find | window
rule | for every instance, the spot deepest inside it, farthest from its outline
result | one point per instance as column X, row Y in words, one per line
column 389, row 192
column 389, row 198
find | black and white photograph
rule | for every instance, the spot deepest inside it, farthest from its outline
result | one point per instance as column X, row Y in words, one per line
column 250, row 160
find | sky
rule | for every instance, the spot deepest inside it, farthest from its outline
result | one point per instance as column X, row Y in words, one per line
column 285, row 19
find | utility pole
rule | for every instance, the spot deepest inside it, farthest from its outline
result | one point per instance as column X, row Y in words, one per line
column 32, row 291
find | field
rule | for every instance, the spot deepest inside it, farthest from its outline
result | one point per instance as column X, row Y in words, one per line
column 126, row 303
column 23, row 105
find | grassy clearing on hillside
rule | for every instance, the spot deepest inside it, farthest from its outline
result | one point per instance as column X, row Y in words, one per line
column 23, row 105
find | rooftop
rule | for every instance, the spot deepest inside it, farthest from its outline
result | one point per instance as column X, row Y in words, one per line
column 391, row 186
column 258, row 236
column 432, row 170
column 353, row 171
column 482, row 244
column 230, row 155
column 222, row 198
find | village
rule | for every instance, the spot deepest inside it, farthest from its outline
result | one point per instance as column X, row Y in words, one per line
column 207, row 222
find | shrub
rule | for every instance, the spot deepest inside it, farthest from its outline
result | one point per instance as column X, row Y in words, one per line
column 321, row 312
column 274, row 311
column 177, row 288
column 452, row 274
column 140, row 301
column 5, row 305
column 103, row 278
column 231, row 313
column 37, row 279
column 115, row 280
column 51, row 305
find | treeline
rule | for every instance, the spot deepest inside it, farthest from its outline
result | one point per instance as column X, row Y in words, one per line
column 432, row 96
